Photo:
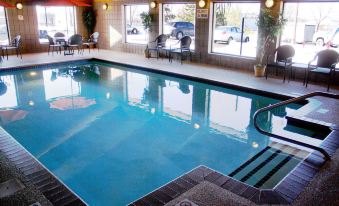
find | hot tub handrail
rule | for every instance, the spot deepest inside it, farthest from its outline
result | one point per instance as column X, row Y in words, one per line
column 289, row 101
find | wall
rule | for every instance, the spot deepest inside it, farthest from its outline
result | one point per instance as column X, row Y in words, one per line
column 111, row 28
column 28, row 28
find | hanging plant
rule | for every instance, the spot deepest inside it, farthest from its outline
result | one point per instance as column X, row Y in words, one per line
column 146, row 18
column 89, row 16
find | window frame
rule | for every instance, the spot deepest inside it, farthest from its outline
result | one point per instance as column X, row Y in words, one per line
column 212, row 29
column 161, row 18
column 7, row 26
column 45, row 20
column 125, row 23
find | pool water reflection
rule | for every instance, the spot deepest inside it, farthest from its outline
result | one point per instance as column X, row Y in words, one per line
column 113, row 134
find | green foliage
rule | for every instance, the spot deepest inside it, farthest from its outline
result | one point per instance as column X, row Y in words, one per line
column 146, row 18
column 270, row 26
column 187, row 13
column 89, row 16
column 226, row 15
column 168, row 16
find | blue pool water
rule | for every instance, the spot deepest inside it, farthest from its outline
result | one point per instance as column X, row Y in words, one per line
column 114, row 134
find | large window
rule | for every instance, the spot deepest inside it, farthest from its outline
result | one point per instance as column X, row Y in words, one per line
column 178, row 20
column 53, row 19
column 3, row 26
column 311, row 27
column 234, row 28
column 134, row 30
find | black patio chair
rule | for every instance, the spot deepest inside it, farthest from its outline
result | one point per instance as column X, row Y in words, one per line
column 60, row 38
column 74, row 42
column 185, row 44
column 283, row 60
column 52, row 44
column 92, row 41
column 14, row 45
column 157, row 45
column 326, row 62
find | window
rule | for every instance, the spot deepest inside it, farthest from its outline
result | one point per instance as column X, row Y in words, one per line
column 53, row 19
column 234, row 28
column 178, row 20
column 3, row 27
column 310, row 27
column 134, row 30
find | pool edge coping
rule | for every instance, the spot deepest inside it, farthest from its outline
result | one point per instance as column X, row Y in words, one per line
column 280, row 194
column 31, row 168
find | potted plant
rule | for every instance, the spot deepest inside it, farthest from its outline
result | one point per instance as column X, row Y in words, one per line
column 146, row 19
column 270, row 26
column 89, row 17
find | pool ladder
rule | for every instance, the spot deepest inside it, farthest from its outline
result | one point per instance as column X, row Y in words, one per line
column 289, row 101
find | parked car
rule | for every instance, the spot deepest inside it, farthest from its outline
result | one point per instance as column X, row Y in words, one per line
column 132, row 29
column 179, row 29
column 228, row 34
column 321, row 38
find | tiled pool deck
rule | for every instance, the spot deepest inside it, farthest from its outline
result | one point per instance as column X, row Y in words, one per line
column 284, row 193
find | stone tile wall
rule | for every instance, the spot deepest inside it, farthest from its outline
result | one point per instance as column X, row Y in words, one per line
column 111, row 28
column 28, row 28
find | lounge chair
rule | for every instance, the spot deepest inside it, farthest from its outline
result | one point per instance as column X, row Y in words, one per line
column 185, row 43
column 15, row 44
column 93, row 40
column 283, row 60
column 326, row 62
column 156, row 45
column 60, row 38
column 74, row 41
column 53, row 45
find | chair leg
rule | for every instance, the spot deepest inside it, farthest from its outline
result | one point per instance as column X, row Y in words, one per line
column 284, row 75
column 307, row 77
column 48, row 50
column 20, row 53
column 305, row 72
column 266, row 72
column 7, row 53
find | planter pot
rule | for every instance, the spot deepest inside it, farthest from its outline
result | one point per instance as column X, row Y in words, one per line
column 147, row 54
column 259, row 71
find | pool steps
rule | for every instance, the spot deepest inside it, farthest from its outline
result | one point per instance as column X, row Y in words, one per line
column 269, row 165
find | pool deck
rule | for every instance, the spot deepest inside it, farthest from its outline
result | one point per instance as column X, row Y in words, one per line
column 205, row 192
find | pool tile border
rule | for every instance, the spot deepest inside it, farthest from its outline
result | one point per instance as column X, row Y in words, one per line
column 33, row 171
column 281, row 194
column 284, row 193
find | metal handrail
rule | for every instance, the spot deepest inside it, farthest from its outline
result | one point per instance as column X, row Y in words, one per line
column 289, row 101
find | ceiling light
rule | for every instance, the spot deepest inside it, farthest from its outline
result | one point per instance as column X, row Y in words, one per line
column 105, row 6
column 153, row 4
column 19, row 6
column 202, row 3
column 269, row 3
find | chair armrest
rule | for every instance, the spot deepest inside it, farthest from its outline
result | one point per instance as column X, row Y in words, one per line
column 310, row 62
column 333, row 65
column 268, row 57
